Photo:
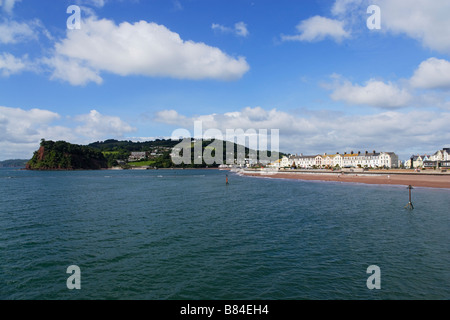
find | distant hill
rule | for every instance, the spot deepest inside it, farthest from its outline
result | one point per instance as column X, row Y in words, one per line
column 159, row 151
column 62, row 155
column 130, row 146
column 16, row 163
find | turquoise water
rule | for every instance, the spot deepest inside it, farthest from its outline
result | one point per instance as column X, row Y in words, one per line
column 186, row 235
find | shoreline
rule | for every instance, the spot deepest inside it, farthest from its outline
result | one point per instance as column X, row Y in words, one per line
column 416, row 180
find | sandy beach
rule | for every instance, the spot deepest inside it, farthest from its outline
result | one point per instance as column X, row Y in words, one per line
column 416, row 180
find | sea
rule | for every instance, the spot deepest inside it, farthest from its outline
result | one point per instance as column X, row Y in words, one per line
column 187, row 235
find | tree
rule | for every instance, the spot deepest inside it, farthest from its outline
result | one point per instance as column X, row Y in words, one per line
column 62, row 155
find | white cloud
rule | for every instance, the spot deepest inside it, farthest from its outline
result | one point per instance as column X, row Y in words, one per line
column 426, row 21
column 73, row 71
column 240, row 29
column 374, row 93
column 432, row 74
column 422, row 20
column 95, row 3
column 13, row 32
column 310, row 133
column 8, row 5
column 219, row 27
column 18, row 125
column 141, row 48
column 341, row 7
column 21, row 130
column 325, row 131
column 171, row 117
column 97, row 126
column 318, row 28
column 177, row 5
column 255, row 118
column 12, row 65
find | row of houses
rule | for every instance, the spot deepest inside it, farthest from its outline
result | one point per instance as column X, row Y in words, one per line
column 138, row 156
column 346, row 160
column 440, row 159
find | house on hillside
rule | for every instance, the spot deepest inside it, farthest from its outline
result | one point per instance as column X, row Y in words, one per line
column 137, row 156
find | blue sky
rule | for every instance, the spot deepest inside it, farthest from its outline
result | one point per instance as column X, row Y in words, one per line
column 138, row 70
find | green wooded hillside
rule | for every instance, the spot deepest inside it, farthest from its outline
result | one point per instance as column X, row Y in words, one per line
column 62, row 155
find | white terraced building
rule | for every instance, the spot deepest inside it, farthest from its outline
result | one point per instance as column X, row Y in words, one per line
column 346, row 160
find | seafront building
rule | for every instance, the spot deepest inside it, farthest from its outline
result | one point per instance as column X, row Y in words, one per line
column 441, row 155
column 440, row 159
column 346, row 160
column 417, row 161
